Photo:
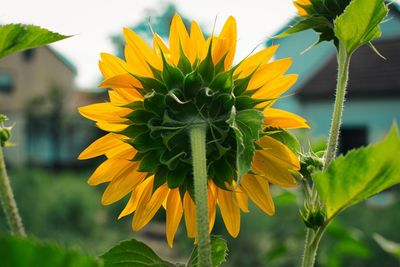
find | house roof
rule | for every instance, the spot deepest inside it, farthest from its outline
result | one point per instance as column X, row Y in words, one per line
column 370, row 75
column 63, row 59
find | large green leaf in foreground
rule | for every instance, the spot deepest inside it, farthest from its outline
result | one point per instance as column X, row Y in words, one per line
column 135, row 253
column 360, row 174
column 19, row 37
column 359, row 23
column 22, row 252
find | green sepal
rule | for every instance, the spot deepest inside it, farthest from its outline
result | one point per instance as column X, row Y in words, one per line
column 306, row 24
column 172, row 76
column 192, row 84
column 171, row 158
column 224, row 171
column 240, row 85
column 220, row 66
column 155, row 103
column 150, row 84
column 206, row 67
column 134, row 105
column 177, row 177
column 150, row 161
column 223, row 82
column 160, row 177
column 184, row 64
column 134, row 130
column 139, row 116
column 144, row 142
column 220, row 105
column 246, row 102
column 284, row 137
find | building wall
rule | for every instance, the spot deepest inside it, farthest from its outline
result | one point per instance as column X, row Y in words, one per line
column 376, row 115
column 32, row 77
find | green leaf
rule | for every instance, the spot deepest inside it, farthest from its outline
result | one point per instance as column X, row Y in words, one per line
column 22, row 252
column 360, row 174
column 359, row 23
column 388, row 246
column 19, row 37
column 247, row 127
column 306, row 24
column 133, row 253
column 219, row 251
column 286, row 138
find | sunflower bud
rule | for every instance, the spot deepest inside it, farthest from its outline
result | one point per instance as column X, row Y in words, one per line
column 5, row 132
column 313, row 217
column 310, row 163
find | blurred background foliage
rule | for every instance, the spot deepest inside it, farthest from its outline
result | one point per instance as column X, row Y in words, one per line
column 59, row 206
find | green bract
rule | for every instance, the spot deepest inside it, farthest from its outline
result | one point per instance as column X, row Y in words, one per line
column 181, row 97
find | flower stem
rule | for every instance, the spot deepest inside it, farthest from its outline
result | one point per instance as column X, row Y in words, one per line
column 198, row 144
column 343, row 75
column 7, row 200
column 313, row 237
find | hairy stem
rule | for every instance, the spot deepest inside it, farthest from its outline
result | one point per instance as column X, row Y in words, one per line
column 198, row 144
column 313, row 237
column 343, row 75
column 8, row 202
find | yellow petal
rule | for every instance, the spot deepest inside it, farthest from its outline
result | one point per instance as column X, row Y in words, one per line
column 139, row 54
column 230, row 212
column 107, row 170
column 301, row 10
column 276, row 87
column 283, row 119
column 122, row 183
column 250, row 64
column 258, row 191
column 122, row 151
column 122, row 97
column 121, row 81
column 134, row 199
column 242, row 199
column 275, row 149
column 190, row 215
column 225, row 43
column 174, row 214
column 147, row 207
column 161, row 47
column 111, row 66
column 111, row 127
column 273, row 168
column 178, row 37
column 104, row 112
column 212, row 203
column 101, row 146
column 268, row 72
column 197, row 42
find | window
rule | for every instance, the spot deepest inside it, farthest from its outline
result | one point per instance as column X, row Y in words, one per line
column 6, row 82
column 27, row 55
column 353, row 137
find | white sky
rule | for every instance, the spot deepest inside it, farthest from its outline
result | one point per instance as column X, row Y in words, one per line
column 94, row 21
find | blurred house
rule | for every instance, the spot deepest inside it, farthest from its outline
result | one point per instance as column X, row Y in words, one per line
column 38, row 94
column 373, row 99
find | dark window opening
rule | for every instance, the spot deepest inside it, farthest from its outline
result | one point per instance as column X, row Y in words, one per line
column 352, row 137
column 27, row 55
column 6, row 82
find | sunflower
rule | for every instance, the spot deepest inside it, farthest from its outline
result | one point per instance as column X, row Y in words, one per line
column 155, row 94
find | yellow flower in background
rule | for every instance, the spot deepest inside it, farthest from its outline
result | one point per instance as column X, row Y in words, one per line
column 299, row 5
column 156, row 94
